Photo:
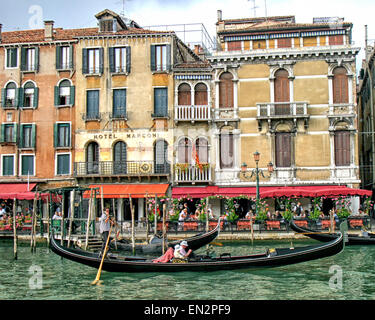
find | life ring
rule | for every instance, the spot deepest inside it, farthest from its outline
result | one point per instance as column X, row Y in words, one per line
column 145, row 167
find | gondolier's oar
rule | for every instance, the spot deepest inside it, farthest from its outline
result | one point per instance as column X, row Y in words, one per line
column 101, row 263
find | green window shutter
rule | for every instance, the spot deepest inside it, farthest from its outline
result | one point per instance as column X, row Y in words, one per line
column 111, row 56
column 85, row 66
column 15, row 135
column 37, row 59
column 55, row 135
column 20, row 141
column 153, row 58
column 56, row 95
column 169, row 60
column 19, row 98
column 2, row 133
column 160, row 101
column 71, row 59
column 72, row 95
column 3, row 96
column 23, row 59
column 58, row 57
column 33, row 135
column 128, row 59
column 101, row 60
column 36, row 98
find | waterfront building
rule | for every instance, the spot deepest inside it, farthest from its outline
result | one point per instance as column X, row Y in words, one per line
column 288, row 91
column 37, row 114
column 365, row 98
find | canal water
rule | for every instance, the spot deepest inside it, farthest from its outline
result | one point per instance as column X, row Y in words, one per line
column 44, row 275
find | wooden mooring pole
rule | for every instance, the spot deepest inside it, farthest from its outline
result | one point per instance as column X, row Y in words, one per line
column 33, row 224
column 164, row 228
column 71, row 216
column 133, row 222
column 14, row 229
column 88, row 218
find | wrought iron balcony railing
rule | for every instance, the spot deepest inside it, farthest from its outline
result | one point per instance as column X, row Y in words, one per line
column 126, row 168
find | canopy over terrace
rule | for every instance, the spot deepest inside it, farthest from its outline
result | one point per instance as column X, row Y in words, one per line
column 20, row 191
column 124, row 190
column 269, row 192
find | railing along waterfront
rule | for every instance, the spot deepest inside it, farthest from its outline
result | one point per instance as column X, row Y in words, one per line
column 120, row 168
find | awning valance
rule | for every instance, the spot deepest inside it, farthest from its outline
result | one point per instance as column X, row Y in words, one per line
column 269, row 192
column 123, row 190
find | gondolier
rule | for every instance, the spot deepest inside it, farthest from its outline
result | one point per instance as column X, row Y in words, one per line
column 105, row 224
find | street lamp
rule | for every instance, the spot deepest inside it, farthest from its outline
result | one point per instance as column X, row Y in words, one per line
column 256, row 172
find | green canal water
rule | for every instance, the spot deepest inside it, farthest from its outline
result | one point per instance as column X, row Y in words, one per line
column 44, row 275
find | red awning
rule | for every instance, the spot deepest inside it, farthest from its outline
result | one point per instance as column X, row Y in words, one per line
column 194, row 192
column 123, row 190
column 20, row 191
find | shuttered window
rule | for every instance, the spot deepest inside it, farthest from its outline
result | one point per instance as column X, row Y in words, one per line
column 64, row 57
column 29, row 96
column 184, row 151
column 201, row 95
column 8, row 165
column 226, row 91
column 29, row 59
column 160, row 102
column 92, row 61
column 64, row 94
column 161, row 57
column 63, row 164
column 119, row 59
column 184, row 95
column 282, row 93
column 120, row 157
column 27, row 165
column 8, row 132
column 9, row 96
column 119, row 103
column 12, row 58
column 62, row 135
column 342, row 148
column 340, row 85
column 27, row 136
column 226, row 151
column 283, row 149
column 92, row 110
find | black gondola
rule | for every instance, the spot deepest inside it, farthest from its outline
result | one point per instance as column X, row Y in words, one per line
column 195, row 242
column 272, row 258
column 352, row 239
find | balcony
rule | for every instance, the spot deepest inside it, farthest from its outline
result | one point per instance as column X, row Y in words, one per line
column 185, row 172
column 275, row 111
column 120, row 168
column 95, row 116
column 192, row 113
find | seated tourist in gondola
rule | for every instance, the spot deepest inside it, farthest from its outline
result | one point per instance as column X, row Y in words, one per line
column 180, row 253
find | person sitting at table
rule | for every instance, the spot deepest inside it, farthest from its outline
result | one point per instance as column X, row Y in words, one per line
column 210, row 215
column 182, row 217
column 249, row 214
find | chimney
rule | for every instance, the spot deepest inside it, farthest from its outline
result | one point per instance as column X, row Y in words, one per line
column 219, row 15
column 48, row 30
column 0, row 31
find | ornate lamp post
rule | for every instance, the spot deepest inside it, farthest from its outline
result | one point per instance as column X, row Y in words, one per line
column 256, row 172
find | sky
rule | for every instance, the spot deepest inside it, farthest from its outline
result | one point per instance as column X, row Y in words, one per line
column 30, row 14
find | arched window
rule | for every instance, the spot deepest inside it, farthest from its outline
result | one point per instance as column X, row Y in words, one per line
column 92, row 158
column 226, row 88
column 8, row 94
column 340, row 85
column 201, row 146
column 161, row 164
column 282, row 92
column 119, row 157
column 184, row 150
column 29, row 95
column 201, row 95
column 184, row 95
column 64, row 93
